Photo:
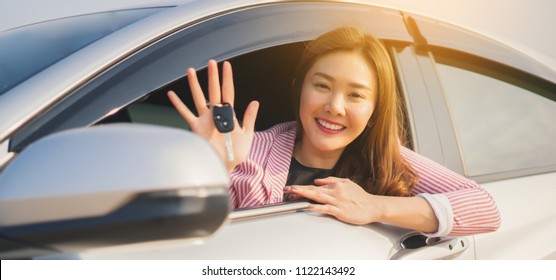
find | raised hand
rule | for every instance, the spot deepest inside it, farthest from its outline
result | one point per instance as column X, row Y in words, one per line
column 203, row 125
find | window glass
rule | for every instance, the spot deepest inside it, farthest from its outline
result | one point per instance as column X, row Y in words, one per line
column 502, row 124
column 28, row 50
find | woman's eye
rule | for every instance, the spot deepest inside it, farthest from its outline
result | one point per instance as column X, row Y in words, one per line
column 322, row 86
column 357, row 95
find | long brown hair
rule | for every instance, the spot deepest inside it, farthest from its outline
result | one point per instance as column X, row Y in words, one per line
column 373, row 159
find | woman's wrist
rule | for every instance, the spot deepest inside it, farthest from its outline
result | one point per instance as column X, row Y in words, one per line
column 380, row 210
column 231, row 165
column 407, row 212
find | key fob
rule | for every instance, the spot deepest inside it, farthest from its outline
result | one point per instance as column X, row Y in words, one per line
column 223, row 117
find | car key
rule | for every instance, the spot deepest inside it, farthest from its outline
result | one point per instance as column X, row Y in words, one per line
column 224, row 122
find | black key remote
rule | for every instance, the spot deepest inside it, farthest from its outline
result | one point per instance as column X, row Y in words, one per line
column 224, row 117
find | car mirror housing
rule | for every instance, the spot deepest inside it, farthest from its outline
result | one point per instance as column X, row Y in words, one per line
column 110, row 185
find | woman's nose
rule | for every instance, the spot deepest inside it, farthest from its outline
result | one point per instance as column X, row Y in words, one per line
column 336, row 104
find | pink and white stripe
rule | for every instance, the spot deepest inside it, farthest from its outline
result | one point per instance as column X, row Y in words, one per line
column 473, row 209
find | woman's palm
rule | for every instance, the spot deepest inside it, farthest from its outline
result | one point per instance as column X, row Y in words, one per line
column 203, row 125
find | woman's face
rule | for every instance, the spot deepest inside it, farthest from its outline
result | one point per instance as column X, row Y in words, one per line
column 338, row 97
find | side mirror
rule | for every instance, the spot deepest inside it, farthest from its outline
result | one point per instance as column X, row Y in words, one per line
column 110, row 185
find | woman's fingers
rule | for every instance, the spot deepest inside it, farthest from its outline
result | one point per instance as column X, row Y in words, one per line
column 325, row 209
column 317, row 194
column 292, row 197
column 250, row 116
column 214, row 82
column 182, row 109
column 196, row 92
column 228, row 94
column 216, row 94
column 327, row 181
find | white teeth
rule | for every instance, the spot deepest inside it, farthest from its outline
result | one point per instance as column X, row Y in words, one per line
column 330, row 126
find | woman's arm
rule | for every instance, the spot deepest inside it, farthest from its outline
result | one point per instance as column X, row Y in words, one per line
column 348, row 202
column 408, row 212
column 461, row 205
column 446, row 203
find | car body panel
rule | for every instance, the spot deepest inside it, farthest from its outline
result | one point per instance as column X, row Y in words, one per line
column 528, row 213
column 258, row 238
column 426, row 139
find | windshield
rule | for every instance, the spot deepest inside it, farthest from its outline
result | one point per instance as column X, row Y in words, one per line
column 27, row 50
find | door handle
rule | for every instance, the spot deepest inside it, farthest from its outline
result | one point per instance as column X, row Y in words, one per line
column 419, row 247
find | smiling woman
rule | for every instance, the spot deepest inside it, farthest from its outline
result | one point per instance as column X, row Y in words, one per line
column 348, row 127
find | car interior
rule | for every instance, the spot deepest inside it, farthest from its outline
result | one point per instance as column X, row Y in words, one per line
column 265, row 75
column 268, row 71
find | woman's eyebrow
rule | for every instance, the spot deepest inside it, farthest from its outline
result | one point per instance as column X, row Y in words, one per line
column 326, row 76
column 355, row 85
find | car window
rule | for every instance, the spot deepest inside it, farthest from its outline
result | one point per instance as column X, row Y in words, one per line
column 270, row 85
column 504, row 120
column 21, row 58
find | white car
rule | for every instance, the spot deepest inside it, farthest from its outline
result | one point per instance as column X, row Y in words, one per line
column 96, row 164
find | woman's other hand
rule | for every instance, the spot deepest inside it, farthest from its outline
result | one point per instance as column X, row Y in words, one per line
column 340, row 198
column 348, row 202
column 203, row 125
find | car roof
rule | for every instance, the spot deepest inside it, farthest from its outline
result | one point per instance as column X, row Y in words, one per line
column 17, row 13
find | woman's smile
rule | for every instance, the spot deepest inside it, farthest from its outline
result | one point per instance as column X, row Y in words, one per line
column 329, row 127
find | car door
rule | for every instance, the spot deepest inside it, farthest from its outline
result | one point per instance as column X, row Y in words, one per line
column 503, row 122
column 118, row 93
column 493, row 110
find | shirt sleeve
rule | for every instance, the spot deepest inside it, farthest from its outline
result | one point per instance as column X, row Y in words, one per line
column 260, row 179
column 461, row 206
column 442, row 210
column 247, row 189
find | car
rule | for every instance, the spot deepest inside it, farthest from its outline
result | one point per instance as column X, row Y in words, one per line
column 96, row 164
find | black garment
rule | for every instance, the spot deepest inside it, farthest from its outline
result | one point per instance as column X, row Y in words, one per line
column 302, row 175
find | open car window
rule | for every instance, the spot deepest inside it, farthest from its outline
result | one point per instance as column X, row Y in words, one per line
column 265, row 75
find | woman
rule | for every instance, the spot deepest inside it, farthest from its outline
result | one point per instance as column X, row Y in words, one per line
column 343, row 151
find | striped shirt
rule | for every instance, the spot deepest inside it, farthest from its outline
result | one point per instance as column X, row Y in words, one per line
column 461, row 206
